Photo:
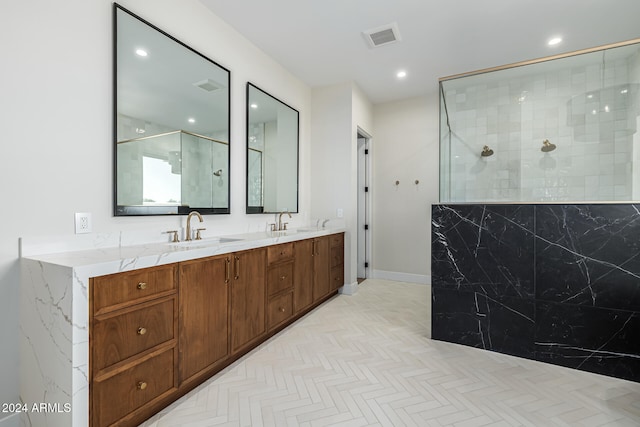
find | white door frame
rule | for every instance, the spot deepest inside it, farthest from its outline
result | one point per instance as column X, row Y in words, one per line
column 364, row 205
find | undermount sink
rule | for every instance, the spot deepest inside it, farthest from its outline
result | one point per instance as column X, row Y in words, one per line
column 208, row 241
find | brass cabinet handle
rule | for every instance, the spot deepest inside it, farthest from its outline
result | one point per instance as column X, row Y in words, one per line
column 142, row 285
column 283, row 277
column 227, row 270
column 141, row 385
column 237, row 268
column 142, row 331
column 281, row 252
column 281, row 309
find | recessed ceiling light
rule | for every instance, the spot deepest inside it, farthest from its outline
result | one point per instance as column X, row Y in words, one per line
column 254, row 105
column 554, row 41
column 191, row 120
column 141, row 52
column 401, row 74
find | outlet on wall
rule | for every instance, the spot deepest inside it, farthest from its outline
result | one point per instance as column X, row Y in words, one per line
column 83, row 222
column 339, row 213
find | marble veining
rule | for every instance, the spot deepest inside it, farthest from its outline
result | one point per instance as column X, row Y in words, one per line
column 54, row 312
column 589, row 255
column 483, row 249
column 557, row 283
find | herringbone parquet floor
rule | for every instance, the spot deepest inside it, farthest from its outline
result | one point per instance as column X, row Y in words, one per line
column 367, row 360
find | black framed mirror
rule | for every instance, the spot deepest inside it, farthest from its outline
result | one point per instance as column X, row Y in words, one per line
column 171, row 124
column 273, row 130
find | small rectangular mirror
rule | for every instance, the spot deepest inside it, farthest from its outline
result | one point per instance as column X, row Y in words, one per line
column 171, row 124
column 272, row 153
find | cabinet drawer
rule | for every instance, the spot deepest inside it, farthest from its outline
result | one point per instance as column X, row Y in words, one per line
column 280, row 309
column 121, row 394
column 279, row 253
column 337, row 256
column 117, row 290
column 119, row 337
column 337, row 240
column 337, row 277
column 279, row 278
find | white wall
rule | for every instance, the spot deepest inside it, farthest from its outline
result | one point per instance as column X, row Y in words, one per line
column 404, row 148
column 57, row 128
column 337, row 113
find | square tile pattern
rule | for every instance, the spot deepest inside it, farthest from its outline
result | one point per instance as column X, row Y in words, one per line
column 368, row 360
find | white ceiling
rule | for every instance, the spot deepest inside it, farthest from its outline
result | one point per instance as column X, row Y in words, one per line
column 321, row 41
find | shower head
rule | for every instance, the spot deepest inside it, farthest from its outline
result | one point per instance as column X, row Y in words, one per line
column 547, row 146
column 486, row 151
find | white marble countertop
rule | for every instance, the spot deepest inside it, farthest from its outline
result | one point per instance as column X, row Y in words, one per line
column 138, row 256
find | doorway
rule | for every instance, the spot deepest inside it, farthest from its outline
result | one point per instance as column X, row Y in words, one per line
column 364, row 205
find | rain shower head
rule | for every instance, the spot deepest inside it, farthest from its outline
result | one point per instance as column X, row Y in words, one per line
column 486, row 151
column 547, row 146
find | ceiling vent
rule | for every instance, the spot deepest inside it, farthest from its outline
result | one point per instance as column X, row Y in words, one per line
column 208, row 85
column 384, row 35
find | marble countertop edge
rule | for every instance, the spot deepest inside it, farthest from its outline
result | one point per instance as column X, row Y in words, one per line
column 151, row 254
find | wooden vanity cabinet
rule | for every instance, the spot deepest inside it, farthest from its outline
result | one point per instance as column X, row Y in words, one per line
column 204, row 315
column 321, row 268
column 133, row 349
column 313, row 269
column 303, row 274
column 155, row 333
column 279, row 284
column 247, row 302
column 336, row 244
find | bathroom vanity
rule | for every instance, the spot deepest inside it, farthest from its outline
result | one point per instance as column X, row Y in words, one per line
column 110, row 336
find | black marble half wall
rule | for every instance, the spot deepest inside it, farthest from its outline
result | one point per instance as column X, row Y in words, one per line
column 554, row 283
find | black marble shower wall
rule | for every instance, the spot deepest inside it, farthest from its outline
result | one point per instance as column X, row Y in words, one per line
column 554, row 283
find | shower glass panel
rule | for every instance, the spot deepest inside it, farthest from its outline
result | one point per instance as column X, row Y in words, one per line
column 552, row 130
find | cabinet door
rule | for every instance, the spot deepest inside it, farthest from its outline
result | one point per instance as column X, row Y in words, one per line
column 203, row 314
column 303, row 274
column 321, row 268
column 248, row 289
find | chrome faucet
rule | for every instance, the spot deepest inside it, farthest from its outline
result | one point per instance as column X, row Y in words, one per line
column 196, row 213
column 280, row 220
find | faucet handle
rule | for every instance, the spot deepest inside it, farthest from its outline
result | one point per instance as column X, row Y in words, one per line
column 174, row 238
column 273, row 227
column 198, row 230
column 284, row 225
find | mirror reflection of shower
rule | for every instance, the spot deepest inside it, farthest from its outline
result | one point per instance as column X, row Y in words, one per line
column 547, row 146
column 486, row 151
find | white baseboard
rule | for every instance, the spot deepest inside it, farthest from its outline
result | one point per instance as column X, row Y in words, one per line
column 347, row 289
column 12, row 420
column 423, row 279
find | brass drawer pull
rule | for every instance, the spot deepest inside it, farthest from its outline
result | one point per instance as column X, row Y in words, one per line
column 283, row 277
column 281, row 309
column 281, row 252
column 142, row 385
column 142, row 331
column 142, row 285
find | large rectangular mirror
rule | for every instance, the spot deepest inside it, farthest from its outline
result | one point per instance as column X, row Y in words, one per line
column 171, row 117
column 272, row 153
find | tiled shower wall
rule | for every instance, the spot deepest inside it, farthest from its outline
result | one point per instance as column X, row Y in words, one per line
column 554, row 283
column 514, row 113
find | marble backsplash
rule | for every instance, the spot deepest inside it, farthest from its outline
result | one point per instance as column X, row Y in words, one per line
column 554, row 283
